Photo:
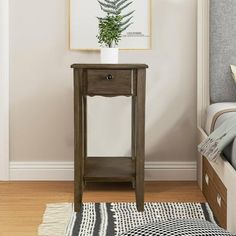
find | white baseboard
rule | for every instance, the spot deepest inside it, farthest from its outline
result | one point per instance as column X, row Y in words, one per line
column 41, row 171
column 170, row 171
column 63, row 171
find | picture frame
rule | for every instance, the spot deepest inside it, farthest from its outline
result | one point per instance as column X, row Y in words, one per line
column 83, row 26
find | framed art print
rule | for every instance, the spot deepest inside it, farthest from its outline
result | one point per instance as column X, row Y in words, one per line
column 84, row 24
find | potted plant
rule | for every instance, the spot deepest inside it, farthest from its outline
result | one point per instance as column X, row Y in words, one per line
column 111, row 27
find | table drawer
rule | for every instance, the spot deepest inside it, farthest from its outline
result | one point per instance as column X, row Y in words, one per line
column 215, row 193
column 110, row 82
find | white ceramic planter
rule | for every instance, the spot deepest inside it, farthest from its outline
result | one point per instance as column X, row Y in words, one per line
column 109, row 55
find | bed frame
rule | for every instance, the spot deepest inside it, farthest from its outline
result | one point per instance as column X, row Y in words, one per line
column 221, row 176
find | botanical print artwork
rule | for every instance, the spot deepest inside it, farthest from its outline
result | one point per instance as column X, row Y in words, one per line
column 84, row 23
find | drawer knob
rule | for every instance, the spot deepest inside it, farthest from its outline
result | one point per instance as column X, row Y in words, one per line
column 207, row 179
column 109, row 77
column 218, row 199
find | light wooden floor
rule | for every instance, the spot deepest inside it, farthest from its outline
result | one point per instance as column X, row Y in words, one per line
column 22, row 203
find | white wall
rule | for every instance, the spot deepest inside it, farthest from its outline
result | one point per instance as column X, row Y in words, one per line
column 4, row 89
column 41, row 117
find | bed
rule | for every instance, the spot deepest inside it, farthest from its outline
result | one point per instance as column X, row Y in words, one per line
column 217, row 92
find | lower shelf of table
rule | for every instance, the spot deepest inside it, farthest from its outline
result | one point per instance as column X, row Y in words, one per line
column 109, row 169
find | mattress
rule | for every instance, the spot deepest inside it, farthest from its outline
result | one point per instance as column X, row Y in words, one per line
column 216, row 114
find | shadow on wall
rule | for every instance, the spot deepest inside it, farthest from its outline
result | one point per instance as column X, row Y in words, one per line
column 172, row 129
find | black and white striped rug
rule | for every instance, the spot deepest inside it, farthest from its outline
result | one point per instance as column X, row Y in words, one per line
column 108, row 219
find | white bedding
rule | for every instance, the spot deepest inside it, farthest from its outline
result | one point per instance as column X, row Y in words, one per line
column 213, row 109
column 216, row 114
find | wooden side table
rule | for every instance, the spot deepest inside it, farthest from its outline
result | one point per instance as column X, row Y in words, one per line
column 109, row 80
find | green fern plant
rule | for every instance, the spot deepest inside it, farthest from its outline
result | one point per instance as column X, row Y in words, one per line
column 115, row 22
column 109, row 30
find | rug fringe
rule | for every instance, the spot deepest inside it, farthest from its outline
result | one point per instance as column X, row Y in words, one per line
column 56, row 219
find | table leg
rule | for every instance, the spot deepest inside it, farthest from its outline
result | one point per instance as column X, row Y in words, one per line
column 140, row 139
column 78, row 141
column 84, row 131
column 133, row 136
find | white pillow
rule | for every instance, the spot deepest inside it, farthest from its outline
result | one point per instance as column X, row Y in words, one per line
column 233, row 70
